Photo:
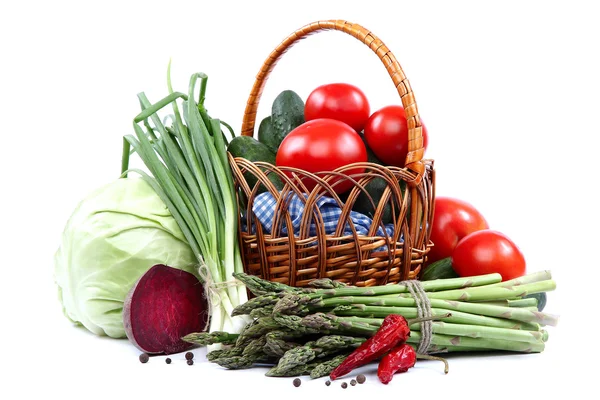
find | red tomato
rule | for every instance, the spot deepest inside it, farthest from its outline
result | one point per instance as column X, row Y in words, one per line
column 487, row 252
column 386, row 133
column 339, row 101
column 453, row 219
column 322, row 145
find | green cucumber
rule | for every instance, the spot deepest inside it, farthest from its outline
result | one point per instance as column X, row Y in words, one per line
column 375, row 189
column 441, row 269
column 266, row 134
column 287, row 113
column 252, row 150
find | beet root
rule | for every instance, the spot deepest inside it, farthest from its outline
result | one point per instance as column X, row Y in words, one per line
column 164, row 305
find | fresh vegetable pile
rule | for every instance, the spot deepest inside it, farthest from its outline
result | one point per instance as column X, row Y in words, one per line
column 156, row 257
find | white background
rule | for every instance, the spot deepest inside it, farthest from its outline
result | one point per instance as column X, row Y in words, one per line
column 509, row 92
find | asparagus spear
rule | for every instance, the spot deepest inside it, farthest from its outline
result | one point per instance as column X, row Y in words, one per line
column 478, row 331
column 329, row 323
column 242, row 357
column 494, row 292
column 459, row 317
column 456, row 342
column 326, row 367
column 315, row 369
column 524, row 302
column 322, row 347
column 326, row 283
column 514, row 313
column 294, row 323
column 255, row 303
column 280, row 341
column 260, row 286
column 529, row 278
column 262, row 312
column 241, row 362
column 256, row 329
column 208, row 338
column 255, row 346
column 224, row 353
column 428, row 286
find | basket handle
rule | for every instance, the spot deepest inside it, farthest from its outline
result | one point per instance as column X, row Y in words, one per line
column 415, row 133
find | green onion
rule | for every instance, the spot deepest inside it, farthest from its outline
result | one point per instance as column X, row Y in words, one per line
column 189, row 169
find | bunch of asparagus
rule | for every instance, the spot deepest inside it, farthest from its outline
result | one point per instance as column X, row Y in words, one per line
column 309, row 331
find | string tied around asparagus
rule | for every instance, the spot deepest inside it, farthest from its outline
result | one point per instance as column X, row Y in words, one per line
column 415, row 288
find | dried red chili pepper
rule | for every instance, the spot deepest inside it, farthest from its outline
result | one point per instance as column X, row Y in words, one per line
column 399, row 359
column 394, row 330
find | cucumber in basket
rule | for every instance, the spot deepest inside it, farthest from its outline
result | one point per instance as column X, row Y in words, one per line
column 375, row 189
column 252, row 150
column 266, row 134
column 287, row 113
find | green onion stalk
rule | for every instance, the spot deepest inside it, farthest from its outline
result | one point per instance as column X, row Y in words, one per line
column 186, row 156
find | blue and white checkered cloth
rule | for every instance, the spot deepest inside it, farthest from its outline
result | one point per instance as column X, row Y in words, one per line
column 265, row 204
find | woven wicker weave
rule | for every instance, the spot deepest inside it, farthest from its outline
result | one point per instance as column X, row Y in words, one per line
column 298, row 259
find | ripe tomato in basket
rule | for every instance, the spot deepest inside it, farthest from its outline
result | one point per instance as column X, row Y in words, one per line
column 322, row 145
column 453, row 219
column 339, row 101
column 386, row 133
column 487, row 252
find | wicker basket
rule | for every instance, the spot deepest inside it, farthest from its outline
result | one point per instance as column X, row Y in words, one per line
column 362, row 260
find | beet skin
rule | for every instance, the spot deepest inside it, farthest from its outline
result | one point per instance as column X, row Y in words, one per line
column 164, row 305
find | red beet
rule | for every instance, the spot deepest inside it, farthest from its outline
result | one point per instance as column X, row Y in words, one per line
column 164, row 305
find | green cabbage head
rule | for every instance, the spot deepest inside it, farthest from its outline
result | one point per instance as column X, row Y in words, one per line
column 112, row 238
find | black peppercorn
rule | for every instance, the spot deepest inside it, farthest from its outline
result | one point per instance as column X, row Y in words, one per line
column 297, row 382
column 344, row 385
column 353, row 382
column 190, row 362
column 327, row 382
column 361, row 379
column 168, row 360
column 189, row 355
column 144, row 357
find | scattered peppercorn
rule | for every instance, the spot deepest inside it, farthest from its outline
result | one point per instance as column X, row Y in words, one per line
column 353, row 382
column 344, row 385
column 189, row 355
column 190, row 362
column 297, row 382
column 327, row 382
column 361, row 379
column 168, row 360
column 144, row 357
